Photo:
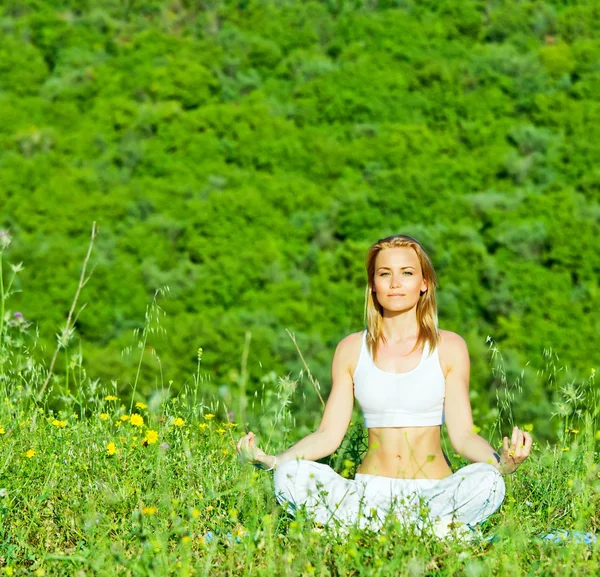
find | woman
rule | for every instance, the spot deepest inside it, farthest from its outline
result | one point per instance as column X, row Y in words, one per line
column 409, row 377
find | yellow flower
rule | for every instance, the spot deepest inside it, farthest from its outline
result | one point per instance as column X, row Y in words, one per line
column 117, row 423
column 124, row 417
column 220, row 431
column 110, row 398
column 58, row 423
column 2, row 431
column 225, row 451
column 151, row 437
column 186, row 539
column 565, row 449
column 104, row 416
column 149, row 511
column 30, row 453
column 476, row 429
column 230, row 425
column 209, row 416
column 597, row 434
column 111, row 449
column 204, row 425
column 195, row 513
column 528, row 427
column 575, row 431
column 179, row 422
column 141, row 405
column 137, row 420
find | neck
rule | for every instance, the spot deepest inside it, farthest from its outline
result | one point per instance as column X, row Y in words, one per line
column 400, row 326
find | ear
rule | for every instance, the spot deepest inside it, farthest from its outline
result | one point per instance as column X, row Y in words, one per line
column 424, row 287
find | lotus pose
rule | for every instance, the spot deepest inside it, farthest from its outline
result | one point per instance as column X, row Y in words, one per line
column 409, row 377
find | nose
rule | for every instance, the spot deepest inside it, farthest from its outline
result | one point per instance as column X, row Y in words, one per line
column 396, row 281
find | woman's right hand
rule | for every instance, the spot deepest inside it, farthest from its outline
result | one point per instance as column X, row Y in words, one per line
column 249, row 452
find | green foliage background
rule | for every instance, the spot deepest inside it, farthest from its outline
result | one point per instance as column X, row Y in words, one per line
column 246, row 154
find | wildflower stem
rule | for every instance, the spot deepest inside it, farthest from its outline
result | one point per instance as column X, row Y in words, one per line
column 312, row 379
column 244, row 377
column 82, row 282
column 137, row 374
column 1, row 300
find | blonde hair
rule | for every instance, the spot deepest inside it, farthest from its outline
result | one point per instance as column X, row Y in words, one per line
column 426, row 306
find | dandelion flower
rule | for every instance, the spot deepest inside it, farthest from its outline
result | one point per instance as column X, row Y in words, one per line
column 117, row 423
column 195, row 513
column 209, row 416
column 110, row 398
column 148, row 511
column 137, row 420
column 204, row 425
column 141, row 405
column 151, row 437
column 111, row 449
column 30, row 453
column 2, row 431
column 59, row 424
column 220, row 431
column 230, row 425
column 225, row 451
column 528, row 427
column 179, row 422
column 124, row 417
column 104, row 416
column 565, row 449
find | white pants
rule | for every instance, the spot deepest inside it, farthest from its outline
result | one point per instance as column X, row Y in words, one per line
column 467, row 497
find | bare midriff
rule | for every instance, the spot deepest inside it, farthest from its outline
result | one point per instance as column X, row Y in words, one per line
column 405, row 453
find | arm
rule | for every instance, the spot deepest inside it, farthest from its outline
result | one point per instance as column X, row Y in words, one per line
column 459, row 419
column 334, row 423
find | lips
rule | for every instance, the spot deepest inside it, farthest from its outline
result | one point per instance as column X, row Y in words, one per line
column 396, row 295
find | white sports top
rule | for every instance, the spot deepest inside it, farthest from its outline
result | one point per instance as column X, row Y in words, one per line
column 411, row 399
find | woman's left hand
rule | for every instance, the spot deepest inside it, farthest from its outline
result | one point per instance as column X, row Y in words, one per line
column 520, row 446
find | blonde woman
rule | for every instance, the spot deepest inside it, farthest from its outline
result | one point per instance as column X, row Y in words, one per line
column 409, row 377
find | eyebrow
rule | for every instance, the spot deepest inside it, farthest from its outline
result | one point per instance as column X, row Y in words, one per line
column 401, row 268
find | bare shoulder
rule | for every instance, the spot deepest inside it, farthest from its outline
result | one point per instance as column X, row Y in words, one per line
column 453, row 350
column 350, row 344
column 451, row 341
column 348, row 350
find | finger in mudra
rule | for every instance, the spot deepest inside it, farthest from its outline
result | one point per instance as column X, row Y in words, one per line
column 519, row 449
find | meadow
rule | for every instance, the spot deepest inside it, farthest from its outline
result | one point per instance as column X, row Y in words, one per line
column 96, row 479
column 239, row 157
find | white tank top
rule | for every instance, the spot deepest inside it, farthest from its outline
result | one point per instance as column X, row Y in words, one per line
column 411, row 399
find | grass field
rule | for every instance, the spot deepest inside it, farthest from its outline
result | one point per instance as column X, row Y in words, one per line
column 97, row 480
column 99, row 488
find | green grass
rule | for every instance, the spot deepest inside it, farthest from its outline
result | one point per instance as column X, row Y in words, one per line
column 70, row 507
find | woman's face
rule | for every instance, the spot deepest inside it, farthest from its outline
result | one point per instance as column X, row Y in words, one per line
column 398, row 281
